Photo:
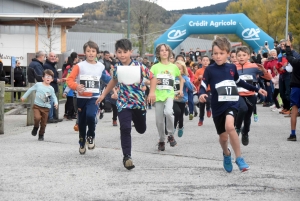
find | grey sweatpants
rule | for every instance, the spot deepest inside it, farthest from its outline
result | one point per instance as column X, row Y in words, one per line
column 164, row 109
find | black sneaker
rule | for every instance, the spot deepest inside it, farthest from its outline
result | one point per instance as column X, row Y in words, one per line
column 91, row 142
column 127, row 162
column 41, row 138
column 58, row 120
column 34, row 131
column 51, row 121
column 186, row 110
column 101, row 115
column 161, row 146
column 292, row 138
column 195, row 114
column 245, row 139
column 82, row 148
column 172, row 141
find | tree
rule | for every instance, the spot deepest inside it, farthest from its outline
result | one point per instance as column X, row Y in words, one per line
column 144, row 13
column 51, row 33
column 270, row 16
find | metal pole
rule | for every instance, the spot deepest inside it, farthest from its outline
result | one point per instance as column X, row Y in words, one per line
column 287, row 19
column 128, row 20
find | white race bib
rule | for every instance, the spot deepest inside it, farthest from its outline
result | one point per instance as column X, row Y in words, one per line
column 248, row 79
column 166, row 81
column 91, row 83
column 129, row 74
column 227, row 91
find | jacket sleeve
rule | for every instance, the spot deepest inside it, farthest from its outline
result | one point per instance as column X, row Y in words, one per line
column 290, row 57
column 105, row 78
column 197, row 74
column 71, row 80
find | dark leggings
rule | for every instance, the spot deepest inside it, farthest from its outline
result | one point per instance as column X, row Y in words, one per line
column 69, row 106
column 275, row 94
column 247, row 104
column 115, row 111
column 178, row 108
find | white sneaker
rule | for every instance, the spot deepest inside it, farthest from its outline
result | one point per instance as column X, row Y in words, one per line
column 272, row 106
column 276, row 109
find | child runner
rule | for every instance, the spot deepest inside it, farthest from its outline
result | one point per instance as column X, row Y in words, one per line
column 179, row 102
column 222, row 78
column 197, row 81
column 129, row 74
column 165, row 72
column 295, row 89
column 85, row 79
column 42, row 102
column 248, row 72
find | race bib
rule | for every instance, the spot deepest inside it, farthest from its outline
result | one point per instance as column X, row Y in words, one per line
column 129, row 75
column 227, row 91
column 165, row 81
column 248, row 79
column 91, row 83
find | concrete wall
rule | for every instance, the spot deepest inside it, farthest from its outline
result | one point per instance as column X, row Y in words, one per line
column 15, row 6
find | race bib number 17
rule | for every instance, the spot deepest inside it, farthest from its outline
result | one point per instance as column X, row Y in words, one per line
column 227, row 91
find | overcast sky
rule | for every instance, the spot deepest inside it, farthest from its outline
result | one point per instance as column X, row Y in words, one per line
column 167, row 4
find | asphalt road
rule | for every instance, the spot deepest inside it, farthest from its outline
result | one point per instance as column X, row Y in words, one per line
column 193, row 170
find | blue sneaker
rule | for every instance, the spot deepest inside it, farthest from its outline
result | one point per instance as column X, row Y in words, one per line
column 180, row 132
column 255, row 118
column 227, row 164
column 243, row 166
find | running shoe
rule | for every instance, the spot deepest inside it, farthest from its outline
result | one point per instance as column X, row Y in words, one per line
column 172, row 141
column 292, row 138
column 180, row 131
column 161, row 146
column 255, row 117
column 127, row 162
column 191, row 117
column 208, row 113
column 243, row 166
column 227, row 163
column 91, row 142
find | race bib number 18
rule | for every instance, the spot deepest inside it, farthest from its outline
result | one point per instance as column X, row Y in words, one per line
column 227, row 91
column 91, row 83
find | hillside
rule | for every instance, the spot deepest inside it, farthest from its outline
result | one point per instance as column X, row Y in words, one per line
column 111, row 15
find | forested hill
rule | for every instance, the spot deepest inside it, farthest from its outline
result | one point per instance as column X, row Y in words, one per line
column 111, row 15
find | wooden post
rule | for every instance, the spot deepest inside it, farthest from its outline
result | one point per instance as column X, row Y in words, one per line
column 31, row 97
column 2, row 92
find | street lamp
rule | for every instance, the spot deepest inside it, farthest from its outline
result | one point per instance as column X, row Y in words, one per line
column 128, row 20
column 287, row 19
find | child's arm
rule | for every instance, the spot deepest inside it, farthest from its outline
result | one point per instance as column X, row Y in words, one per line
column 203, row 87
column 71, row 80
column 182, row 81
column 112, row 83
column 54, row 98
column 28, row 92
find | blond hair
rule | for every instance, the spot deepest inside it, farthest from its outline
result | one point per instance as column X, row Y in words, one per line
column 183, row 66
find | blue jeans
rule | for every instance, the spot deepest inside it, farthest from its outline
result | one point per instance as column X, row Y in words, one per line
column 52, row 109
column 87, row 110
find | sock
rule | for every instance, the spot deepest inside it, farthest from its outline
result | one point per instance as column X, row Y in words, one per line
column 293, row 132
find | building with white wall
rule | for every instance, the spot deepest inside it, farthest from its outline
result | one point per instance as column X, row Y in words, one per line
column 27, row 26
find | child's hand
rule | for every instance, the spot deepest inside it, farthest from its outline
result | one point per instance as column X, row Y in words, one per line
column 99, row 100
column 262, row 92
column 114, row 96
column 56, row 106
column 151, row 98
column 180, row 94
column 64, row 95
column 80, row 88
column 22, row 99
column 202, row 98
column 144, row 88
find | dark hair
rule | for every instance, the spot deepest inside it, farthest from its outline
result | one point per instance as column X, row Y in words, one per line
column 222, row 43
column 105, row 52
column 71, row 58
column 123, row 44
column 48, row 72
column 265, row 55
column 180, row 55
column 205, row 56
column 232, row 51
column 157, row 51
column 187, row 63
column 92, row 45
